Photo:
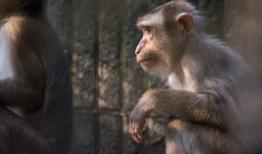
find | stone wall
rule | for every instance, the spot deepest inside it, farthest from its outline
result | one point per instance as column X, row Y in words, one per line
column 99, row 39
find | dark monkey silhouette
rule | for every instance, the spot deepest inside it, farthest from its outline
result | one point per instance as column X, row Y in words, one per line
column 35, row 87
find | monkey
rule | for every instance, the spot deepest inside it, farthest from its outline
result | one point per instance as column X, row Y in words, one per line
column 212, row 98
column 36, row 111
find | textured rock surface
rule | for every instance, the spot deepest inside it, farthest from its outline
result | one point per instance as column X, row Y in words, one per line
column 234, row 25
column 134, row 77
column 84, row 57
column 110, row 134
column 84, row 135
column 58, row 15
column 212, row 11
column 156, row 3
column 242, row 29
column 254, row 34
column 109, row 39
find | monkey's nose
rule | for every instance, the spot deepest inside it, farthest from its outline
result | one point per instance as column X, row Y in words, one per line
column 137, row 52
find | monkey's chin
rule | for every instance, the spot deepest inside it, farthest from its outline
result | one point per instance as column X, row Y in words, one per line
column 146, row 65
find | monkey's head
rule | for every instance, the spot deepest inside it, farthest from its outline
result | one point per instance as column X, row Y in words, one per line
column 32, row 7
column 165, row 31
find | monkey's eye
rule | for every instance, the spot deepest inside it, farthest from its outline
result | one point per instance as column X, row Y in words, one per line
column 148, row 30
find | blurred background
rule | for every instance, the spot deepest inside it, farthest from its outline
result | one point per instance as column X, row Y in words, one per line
column 99, row 38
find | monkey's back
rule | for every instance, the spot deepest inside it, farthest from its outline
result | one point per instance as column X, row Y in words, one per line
column 225, row 75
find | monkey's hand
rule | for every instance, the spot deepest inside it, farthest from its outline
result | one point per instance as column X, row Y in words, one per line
column 138, row 119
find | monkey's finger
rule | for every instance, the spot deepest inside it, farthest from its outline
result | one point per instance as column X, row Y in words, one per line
column 135, row 132
column 143, row 141
column 141, row 137
column 139, row 134
column 134, row 136
column 131, row 127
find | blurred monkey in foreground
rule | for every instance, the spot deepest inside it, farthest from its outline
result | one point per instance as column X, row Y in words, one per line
column 212, row 102
column 35, row 88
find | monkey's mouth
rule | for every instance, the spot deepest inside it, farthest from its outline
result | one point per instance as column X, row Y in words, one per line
column 144, row 60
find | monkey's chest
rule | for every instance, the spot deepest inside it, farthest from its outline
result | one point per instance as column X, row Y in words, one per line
column 5, row 57
column 175, row 83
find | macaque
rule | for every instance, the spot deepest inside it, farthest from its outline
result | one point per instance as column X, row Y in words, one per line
column 212, row 98
column 35, row 88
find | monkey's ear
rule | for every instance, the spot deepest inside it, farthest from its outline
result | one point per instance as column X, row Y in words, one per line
column 186, row 23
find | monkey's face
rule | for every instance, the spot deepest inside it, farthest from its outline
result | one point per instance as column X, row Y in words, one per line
column 146, row 51
column 150, row 51
column 163, row 38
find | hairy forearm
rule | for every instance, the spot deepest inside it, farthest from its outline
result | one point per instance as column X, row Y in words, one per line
column 19, row 136
column 185, row 105
column 13, row 90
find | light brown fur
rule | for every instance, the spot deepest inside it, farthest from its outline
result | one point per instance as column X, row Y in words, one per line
column 213, row 97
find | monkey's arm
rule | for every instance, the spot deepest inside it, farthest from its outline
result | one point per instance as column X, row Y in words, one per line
column 14, row 91
column 42, row 130
column 204, row 108
column 18, row 136
column 201, row 108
